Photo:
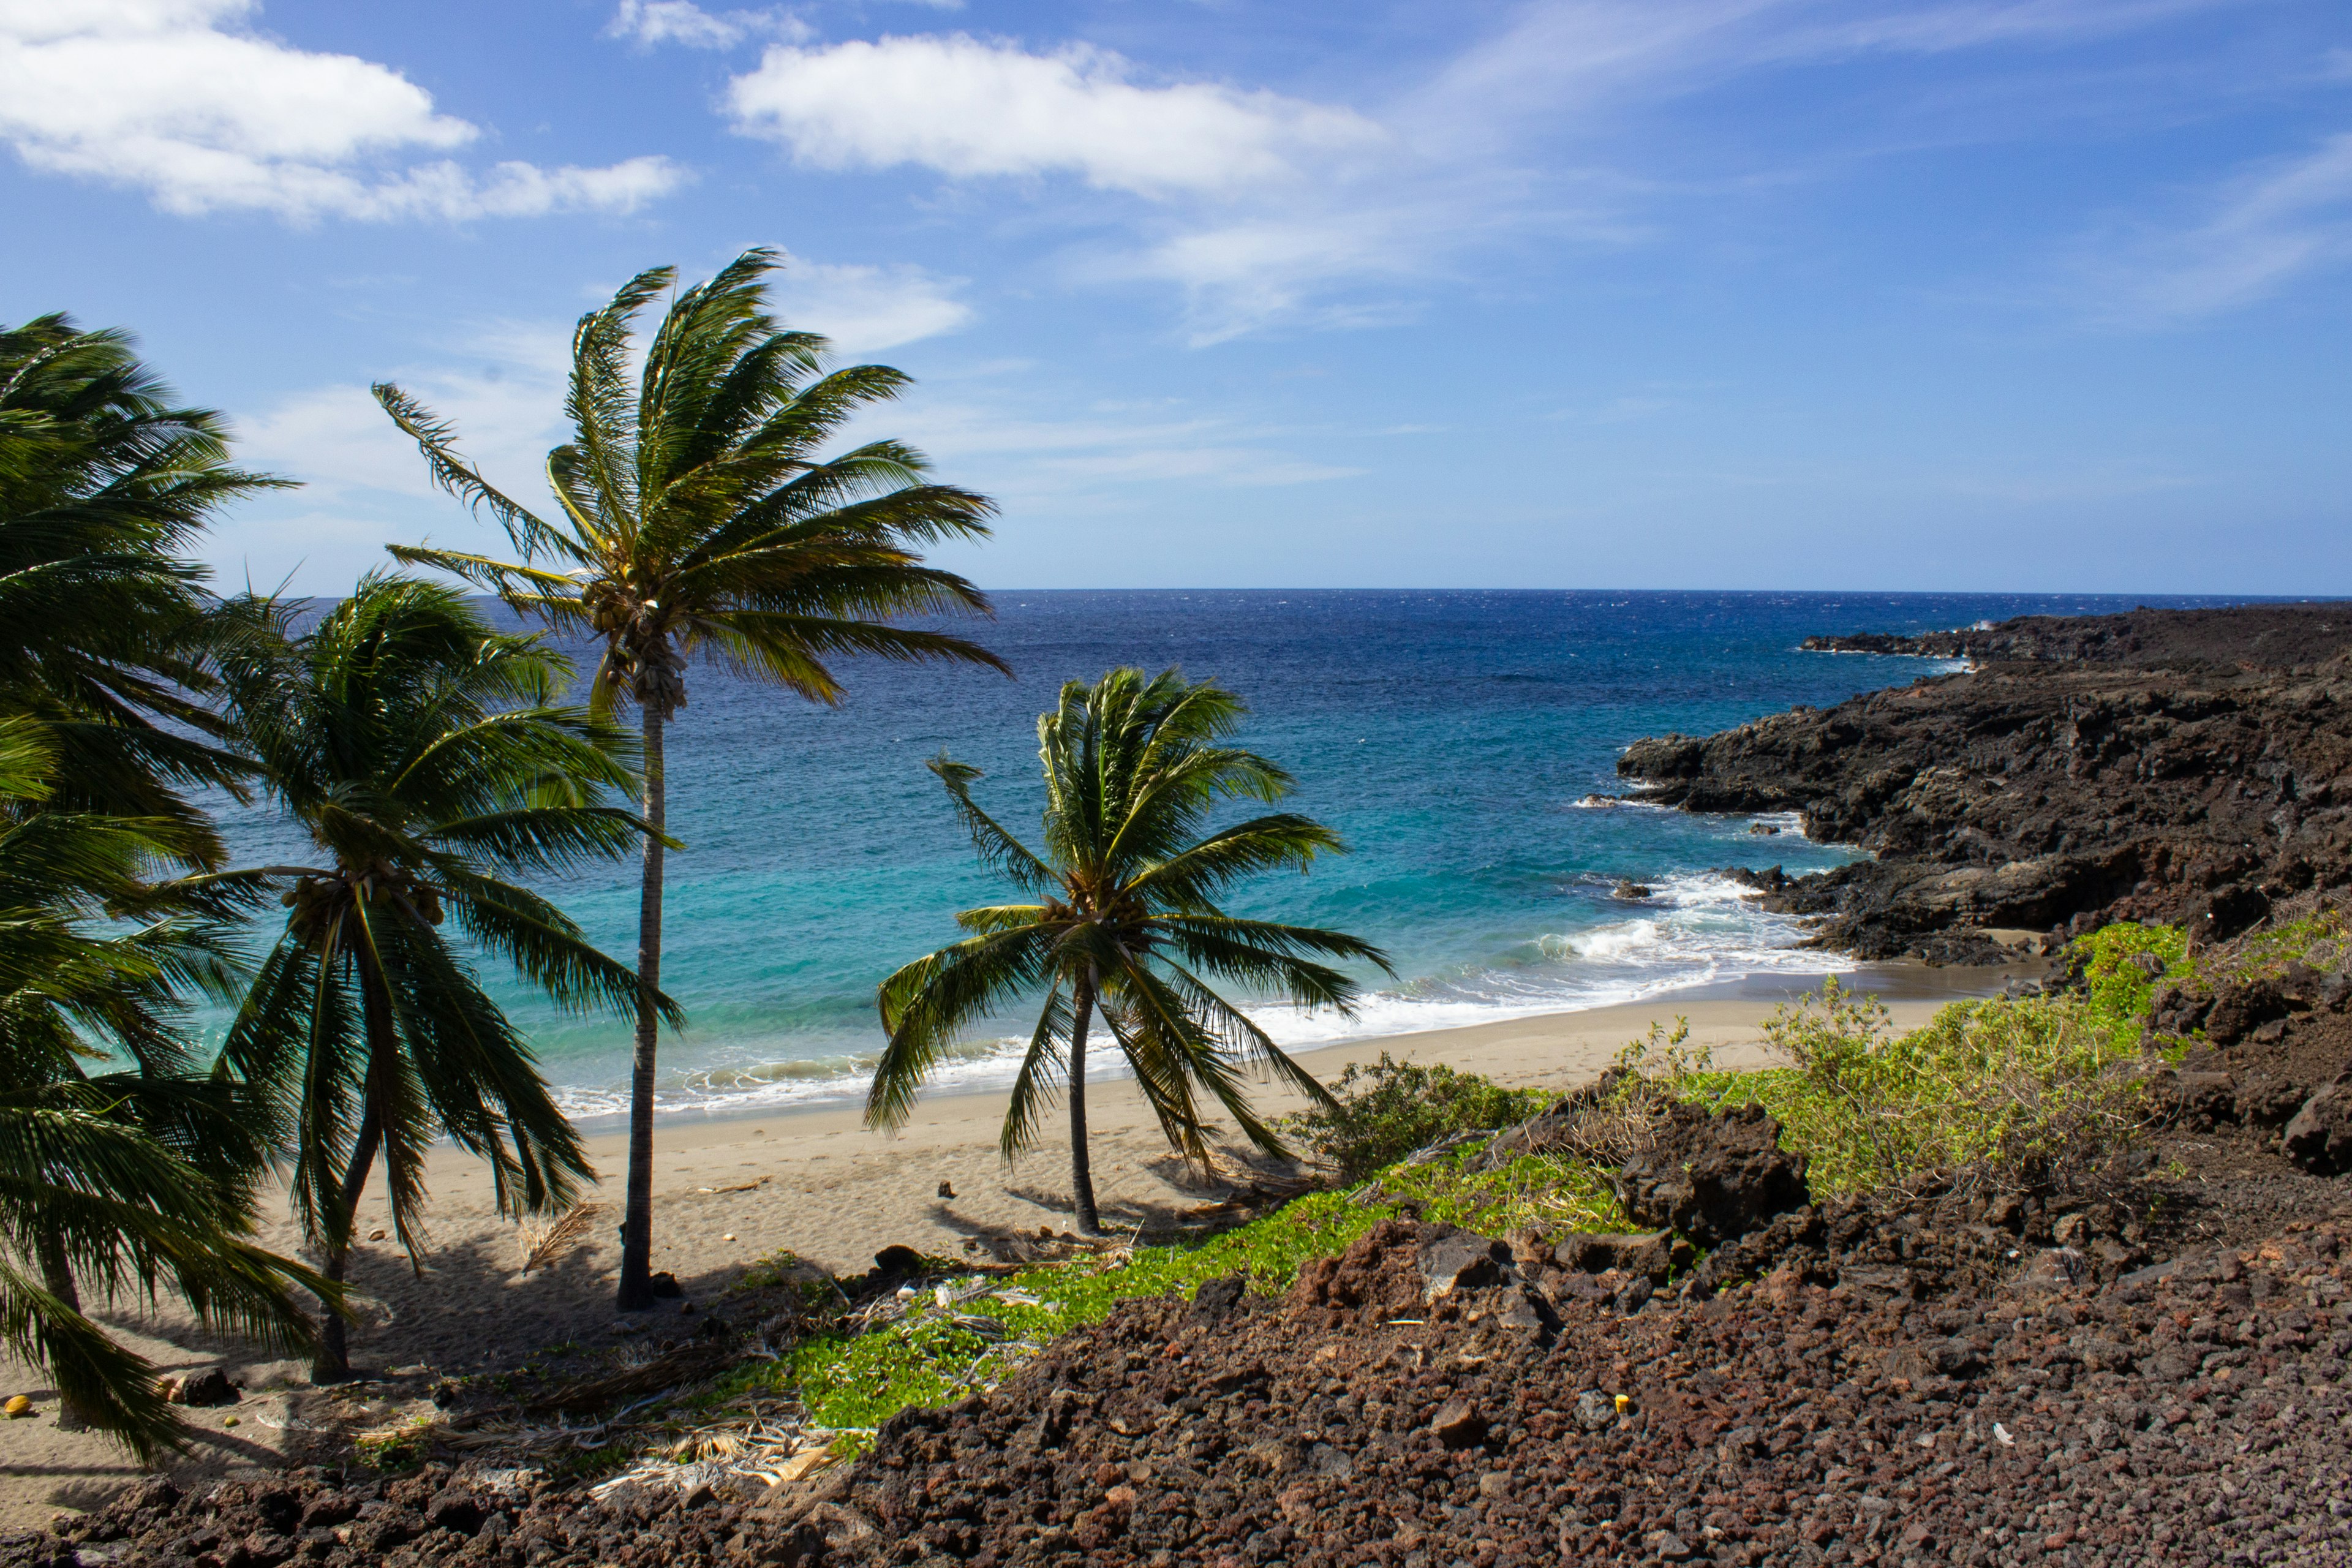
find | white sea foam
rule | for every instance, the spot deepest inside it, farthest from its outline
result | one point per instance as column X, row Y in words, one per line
column 1693, row 930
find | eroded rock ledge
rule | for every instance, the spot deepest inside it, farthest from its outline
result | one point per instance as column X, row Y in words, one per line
column 2183, row 765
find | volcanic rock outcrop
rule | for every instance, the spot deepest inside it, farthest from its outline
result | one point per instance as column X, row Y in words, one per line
column 2191, row 767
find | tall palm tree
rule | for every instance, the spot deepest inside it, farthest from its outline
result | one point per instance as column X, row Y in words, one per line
column 1125, row 923
column 698, row 515
column 103, row 483
column 426, row 758
column 136, row 1178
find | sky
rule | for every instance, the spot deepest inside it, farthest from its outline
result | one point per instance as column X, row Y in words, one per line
column 1944, row 295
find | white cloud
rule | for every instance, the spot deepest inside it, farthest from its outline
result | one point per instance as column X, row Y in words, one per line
column 653, row 22
column 865, row 309
column 1035, row 460
column 176, row 98
column 1562, row 62
column 505, row 397
column 968, row 109
column 2271, row 224
column 1269, row 209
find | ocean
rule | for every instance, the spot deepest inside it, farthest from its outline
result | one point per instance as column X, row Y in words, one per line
column 1452, row 738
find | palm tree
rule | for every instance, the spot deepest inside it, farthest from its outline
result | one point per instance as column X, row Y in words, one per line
column 130, row 1181
column 1127, row 922
column 426, row 760
column 698, row 515
column 103, row 482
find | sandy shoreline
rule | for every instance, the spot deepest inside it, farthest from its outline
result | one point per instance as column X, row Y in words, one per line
column 734, row 1188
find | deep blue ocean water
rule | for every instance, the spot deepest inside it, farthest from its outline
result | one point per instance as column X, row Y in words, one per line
column 1451, row 737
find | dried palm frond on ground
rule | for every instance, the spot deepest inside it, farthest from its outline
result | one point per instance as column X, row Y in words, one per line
column 1013, row 1252
column 543, row 1244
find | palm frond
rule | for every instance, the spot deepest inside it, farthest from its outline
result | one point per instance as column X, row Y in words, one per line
column 927, row 1003
column 437, row 439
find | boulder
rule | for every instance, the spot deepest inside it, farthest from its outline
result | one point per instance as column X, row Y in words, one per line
column 2319, row 1136
column 2055, row 1268
column 2240, row 1009
column 1457, row 1424
column 208, row 1388
column 2336, row 990
column 1653, row 1253
column 1714, row 1178
column 456, row 1509
column 2268, row 1101
column 1452, row 1261
column 2203, row 1100
column 2223, row 913
column 1217, row 1298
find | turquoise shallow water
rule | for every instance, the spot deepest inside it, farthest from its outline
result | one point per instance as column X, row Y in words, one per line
column 1452, row 737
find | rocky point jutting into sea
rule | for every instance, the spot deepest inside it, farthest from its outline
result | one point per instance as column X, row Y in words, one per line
column 2186, row 765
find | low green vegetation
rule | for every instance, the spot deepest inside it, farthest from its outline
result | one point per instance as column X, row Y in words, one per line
column 1382, row 1112
column 937, row 1354
column 2320, row 939
column 2118, row 989
column 2006, row 1089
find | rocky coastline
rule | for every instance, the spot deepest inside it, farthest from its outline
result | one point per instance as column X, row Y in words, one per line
column 2183, row 765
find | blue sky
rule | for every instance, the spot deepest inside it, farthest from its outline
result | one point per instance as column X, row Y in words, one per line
column 1959, row 294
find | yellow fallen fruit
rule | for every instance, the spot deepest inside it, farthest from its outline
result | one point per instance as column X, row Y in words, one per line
column 19, row 1405
column 229, row 1421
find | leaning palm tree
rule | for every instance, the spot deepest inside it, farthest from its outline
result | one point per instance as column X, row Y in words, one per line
column 1126, row 923
column 104, row 483
column 426, row 760
column 124, row 1171
column 700, row 516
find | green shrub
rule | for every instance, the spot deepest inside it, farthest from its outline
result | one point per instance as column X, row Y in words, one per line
column 2009, row 1090
column 1390, row 1109
column 2119, row 991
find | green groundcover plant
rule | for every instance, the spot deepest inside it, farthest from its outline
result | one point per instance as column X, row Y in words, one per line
column 937, row 1354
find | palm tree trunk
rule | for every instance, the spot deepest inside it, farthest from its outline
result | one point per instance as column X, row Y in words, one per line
column 332, row 1364
column 637, row 1292
column 56, row 1277
column 1082, row 1175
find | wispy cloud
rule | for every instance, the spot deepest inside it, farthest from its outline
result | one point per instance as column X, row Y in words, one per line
column 651, row 23
column 2265, row 229
column 502, row 389
column 1088, row 456
column 178, row 99
column 1265, row 208
column 969, row 109
column 865, row 309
